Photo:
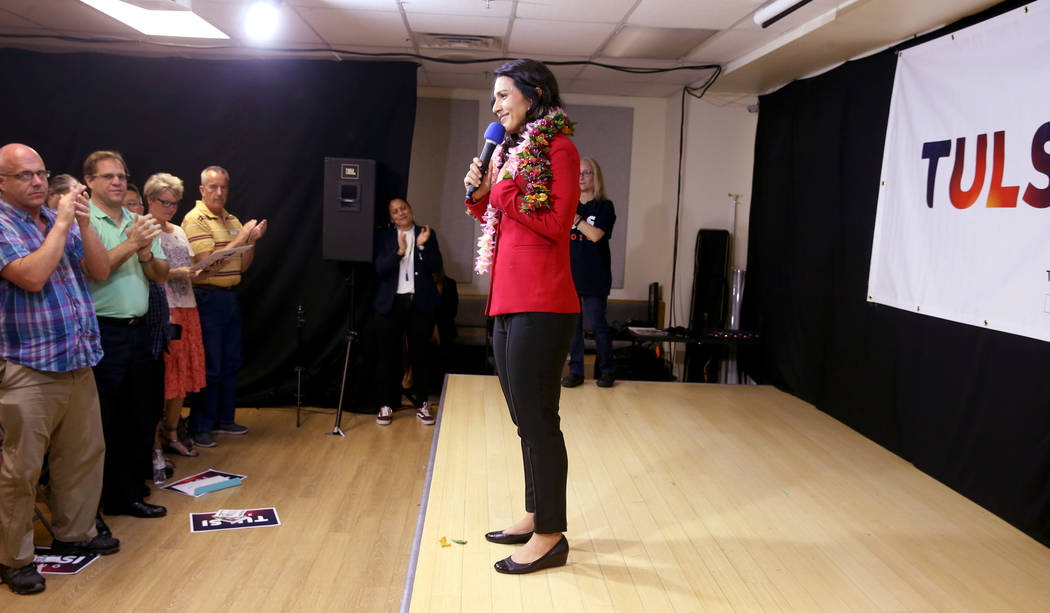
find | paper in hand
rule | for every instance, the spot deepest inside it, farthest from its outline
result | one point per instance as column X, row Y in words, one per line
column 219, row 256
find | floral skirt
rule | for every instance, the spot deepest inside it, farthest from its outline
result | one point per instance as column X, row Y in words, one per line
column 184, row 361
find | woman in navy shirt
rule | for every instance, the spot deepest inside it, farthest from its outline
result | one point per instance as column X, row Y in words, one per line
column 592, row 274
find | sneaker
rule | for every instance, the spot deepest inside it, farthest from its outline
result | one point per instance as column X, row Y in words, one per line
column 571, row 380
column 102, row 545
column 24, row 580
column 606, row 380
column 229, row 429
column 423, row 414
column 203, row 439
column 386, row 415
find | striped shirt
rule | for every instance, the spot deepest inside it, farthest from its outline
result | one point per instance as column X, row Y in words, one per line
column 208, row 232
column 55, row 329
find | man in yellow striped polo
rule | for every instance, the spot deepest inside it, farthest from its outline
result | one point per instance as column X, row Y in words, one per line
column 212, row 230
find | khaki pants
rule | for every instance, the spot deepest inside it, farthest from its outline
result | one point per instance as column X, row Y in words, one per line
column 55, row 414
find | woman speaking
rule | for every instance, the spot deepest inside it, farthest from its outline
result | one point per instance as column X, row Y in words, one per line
column 526, row 202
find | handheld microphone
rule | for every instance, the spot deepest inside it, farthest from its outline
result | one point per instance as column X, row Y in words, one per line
column 493, row 136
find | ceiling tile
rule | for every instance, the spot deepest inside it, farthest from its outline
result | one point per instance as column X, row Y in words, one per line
column 229, row 17
column 354, row 5
column 530, row 37
column 473, row 8
column 708, row 14
column 449, row 24
column 604, row 11
column 728, row 45
column 353, row 28
column 657, row 43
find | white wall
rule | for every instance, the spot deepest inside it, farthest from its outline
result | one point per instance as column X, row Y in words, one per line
column 718, row 159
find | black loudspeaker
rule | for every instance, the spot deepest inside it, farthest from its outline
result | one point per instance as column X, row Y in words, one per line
column 349, row 209
column 709, row 304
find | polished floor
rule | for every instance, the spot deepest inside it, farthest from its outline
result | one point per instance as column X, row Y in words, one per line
column 692, row 497
column 348, row 509
column 682, row 497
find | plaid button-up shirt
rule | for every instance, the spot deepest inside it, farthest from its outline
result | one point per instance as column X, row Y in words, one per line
column 55, row 329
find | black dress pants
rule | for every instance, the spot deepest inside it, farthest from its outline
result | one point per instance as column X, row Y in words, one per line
column 125, row 377
column 530, row 350
column 402, row 321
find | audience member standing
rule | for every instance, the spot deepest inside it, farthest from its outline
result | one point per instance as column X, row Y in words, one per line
column 57, row 187
column 592, row 274
column 211, row 229
column 406, row 257
column 48, row 344
column 133, row 200
column 184, row 361
column 124, row 375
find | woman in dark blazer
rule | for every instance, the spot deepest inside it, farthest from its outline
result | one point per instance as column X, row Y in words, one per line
column 526, row 202
column 406, row 299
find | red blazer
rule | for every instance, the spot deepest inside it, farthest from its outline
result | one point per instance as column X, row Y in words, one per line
column 530, row 268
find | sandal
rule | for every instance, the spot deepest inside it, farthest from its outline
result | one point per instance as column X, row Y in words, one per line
column 174, row 445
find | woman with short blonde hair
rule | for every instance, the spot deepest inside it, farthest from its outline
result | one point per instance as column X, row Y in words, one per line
column 184, row 361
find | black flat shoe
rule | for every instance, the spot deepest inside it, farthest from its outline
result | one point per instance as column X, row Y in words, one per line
column 557, row 556
column 502, row 538
column 139, row 509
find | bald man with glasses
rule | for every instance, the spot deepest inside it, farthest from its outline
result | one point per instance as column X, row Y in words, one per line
column 48, row 344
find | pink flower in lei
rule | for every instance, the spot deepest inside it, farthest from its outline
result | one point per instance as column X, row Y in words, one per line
column 534, row 166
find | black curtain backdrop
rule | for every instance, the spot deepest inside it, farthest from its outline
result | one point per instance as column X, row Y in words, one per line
column 270, row 123
column 968, row 406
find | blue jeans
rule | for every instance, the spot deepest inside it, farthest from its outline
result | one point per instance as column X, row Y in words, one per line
column 605, row 364
column 220, row 315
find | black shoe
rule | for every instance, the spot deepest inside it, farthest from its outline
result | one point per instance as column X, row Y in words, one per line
column 571, row 380
column 503, row 538
column 606, row 380
column 102, row 545
column 557, row 556
column 139, row 509
column 24, row 580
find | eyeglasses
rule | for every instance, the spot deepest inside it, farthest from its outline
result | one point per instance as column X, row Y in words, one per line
column 27, row 175
column 121, row 178
column 167, row 203
column 586, row 173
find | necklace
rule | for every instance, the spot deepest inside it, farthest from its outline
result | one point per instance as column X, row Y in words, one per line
column 534, row 166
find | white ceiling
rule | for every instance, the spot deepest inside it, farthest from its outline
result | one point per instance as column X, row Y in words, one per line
column 636, row 33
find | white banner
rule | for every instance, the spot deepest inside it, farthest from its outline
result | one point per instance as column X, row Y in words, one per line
column 962, row 230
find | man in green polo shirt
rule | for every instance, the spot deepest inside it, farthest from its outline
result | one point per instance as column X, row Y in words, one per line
column 123, row 375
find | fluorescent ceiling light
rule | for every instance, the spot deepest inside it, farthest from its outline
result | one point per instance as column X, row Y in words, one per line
column 181, row 23
column 777, row 10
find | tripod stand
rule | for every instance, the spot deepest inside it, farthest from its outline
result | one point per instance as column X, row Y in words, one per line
column 351, row 334
column 300, row 321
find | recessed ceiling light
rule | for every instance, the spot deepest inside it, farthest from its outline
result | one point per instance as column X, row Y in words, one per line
column 179, row 21
column 260, row 23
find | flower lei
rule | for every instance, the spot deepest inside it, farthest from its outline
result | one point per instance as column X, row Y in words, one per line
column 534, row 166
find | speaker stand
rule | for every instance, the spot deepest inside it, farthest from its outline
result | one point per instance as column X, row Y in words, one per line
column 300, row 321
column 351, row 334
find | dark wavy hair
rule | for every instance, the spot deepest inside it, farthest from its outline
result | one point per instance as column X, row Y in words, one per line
column 527, row 76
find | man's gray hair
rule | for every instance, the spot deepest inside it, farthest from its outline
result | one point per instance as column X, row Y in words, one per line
column 204, row 173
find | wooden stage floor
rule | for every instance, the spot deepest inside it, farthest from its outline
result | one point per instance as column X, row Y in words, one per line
column 692, row 497
column 682, row 497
